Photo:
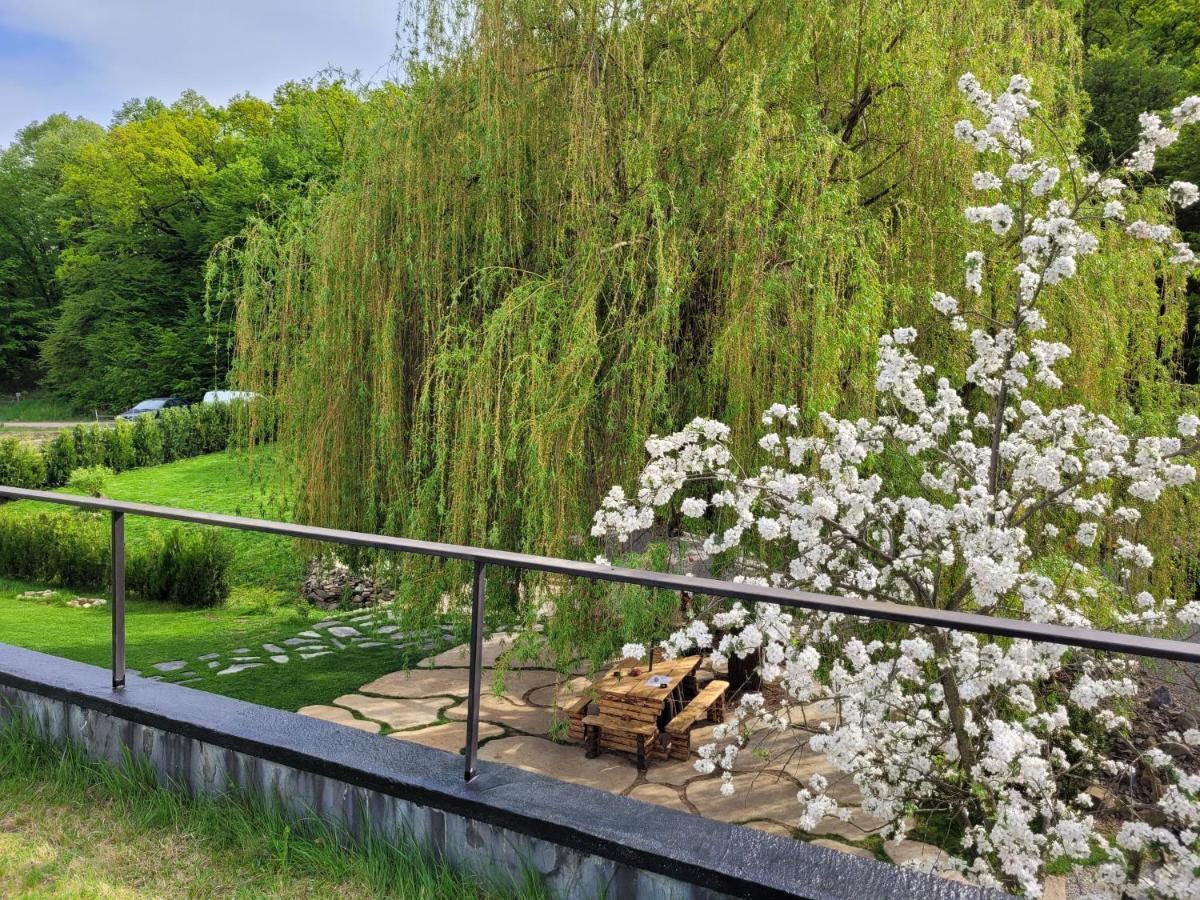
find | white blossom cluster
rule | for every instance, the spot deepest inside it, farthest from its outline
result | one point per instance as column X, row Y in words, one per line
column 985, row 731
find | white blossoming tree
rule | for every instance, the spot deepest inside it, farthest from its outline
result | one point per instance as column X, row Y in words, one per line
column 1001, row 736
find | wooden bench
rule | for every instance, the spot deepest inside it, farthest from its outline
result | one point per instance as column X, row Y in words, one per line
column 710, row 703
column 575, row 711
column 619, row 733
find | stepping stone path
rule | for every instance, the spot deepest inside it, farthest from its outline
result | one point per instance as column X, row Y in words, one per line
column 427, row 705
column 375, row 631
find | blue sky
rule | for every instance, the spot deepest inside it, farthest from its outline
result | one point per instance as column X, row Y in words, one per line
column 86, row 57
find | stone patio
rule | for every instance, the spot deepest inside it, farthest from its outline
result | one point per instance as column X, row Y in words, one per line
column 427, row 705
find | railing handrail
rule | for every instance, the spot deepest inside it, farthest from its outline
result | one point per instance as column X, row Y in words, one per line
column 1067, row 635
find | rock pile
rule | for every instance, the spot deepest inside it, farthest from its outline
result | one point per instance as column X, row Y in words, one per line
column 332, row 584
column 87, row 602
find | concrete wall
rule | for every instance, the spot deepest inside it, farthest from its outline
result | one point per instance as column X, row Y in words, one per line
column 583, row 842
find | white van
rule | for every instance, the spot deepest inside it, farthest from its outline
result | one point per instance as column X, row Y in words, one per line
column 228, row 396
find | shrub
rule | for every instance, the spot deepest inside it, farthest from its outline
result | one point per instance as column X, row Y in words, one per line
column 147, row 442
column 90, row 480
column 185, row 566
column 61, row 458
column 56, row 548
column 189, row 567
column 119, row 453
column 178, row 434
column 21, row 464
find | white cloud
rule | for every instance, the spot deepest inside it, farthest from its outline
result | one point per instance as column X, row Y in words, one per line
column 86, row 57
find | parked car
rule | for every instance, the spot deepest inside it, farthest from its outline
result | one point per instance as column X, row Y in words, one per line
column 228, row 396
column 151, row 407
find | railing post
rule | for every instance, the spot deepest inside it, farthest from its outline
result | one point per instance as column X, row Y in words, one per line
column 478, row 586
column 118, row 600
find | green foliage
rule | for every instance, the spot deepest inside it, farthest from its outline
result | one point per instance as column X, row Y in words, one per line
column 180, row 433
column 21, row 465
column 140, row 208
column 232, row 844
column 519, row 278
column 61, row 458
column 90, row 480
column 31, row 174
column 119, row 451
column 186, row 566
column 56, row 548
column 90, row 447
column 147, row 441
column 34, row 407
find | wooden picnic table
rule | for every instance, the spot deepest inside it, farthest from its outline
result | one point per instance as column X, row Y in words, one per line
column 634, row 709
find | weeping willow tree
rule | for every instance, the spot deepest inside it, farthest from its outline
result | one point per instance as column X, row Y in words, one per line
column 579, row 223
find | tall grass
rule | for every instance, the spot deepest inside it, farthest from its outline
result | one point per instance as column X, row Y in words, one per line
column 238, row 830
column 34, row 409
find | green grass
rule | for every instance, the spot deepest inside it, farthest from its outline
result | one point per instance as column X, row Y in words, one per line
column 219, row 483
column 263, row 606
column 70, row 827
column 158, row 632
column 35, row 409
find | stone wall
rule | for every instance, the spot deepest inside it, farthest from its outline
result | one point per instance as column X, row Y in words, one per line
column 583, row 842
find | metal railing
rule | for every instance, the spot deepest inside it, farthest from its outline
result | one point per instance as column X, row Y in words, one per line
column 1159, row 648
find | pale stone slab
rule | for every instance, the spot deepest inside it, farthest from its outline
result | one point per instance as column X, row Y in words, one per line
column 452, row 737
column 272, row 648
column 674, row 772
column 173, row 666
column 233, row 670
column 917, row 855
column 754, row 797
column 842, row 847
column 519, row 683
column 315, row 655
column 566, row 762
column 501, row 711
column 553, row 695
column 427, row 683
column 860, row 825
column 338, row 717
column 344, row 631
column 281, row 658
column 493, row 648
column 660, row 795
column 393, row 713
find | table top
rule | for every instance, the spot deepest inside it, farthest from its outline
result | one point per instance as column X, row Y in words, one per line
column 633, row 688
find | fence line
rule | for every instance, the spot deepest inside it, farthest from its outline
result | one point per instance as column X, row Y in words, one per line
column 1066, row 635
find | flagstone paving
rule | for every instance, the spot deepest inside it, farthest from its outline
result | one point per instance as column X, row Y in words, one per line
column 357, row 631
column 428, row 705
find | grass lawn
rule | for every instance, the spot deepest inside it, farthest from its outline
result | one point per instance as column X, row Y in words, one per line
column 74, row 828
column 35, row 409
column 158, row 632
column 263, row 607
column 219, row 483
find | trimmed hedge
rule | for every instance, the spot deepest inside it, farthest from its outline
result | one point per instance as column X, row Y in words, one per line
column 21, row 464
column 179, row 433
column 187, row 565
